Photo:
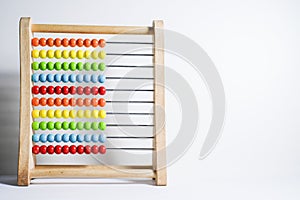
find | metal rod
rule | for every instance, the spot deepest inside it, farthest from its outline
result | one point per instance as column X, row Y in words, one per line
column 120, row 113
column 129, row 101
column 128, row 90
column 133, row 78
column 110, row 148
column 115, row 42
column 128, row 137
column 131, row 66
column 141, row 125
column 129, row 54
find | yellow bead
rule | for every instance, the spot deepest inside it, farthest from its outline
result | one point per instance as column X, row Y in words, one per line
column 102, row 114
column 73, row 54
column 95, row 113
column 35, row 53
column 87, row 54
column 94, row 54
column 50, row 113
column 65, row 114
column 57, row 54
column 80, row 54
column 80, row 114
column 57, row 113
column 43, row 53
column 43, row 113
column 102, row 54
column 50, row 53
column 72, row 113
column 35, row 113
column 65, row 54
column 87, row 113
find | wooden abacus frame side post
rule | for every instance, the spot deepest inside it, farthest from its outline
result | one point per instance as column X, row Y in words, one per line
column 159, row 153
column 26, row 160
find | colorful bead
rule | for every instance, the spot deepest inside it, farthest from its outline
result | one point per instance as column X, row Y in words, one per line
column 35, row 65
column 43, row 90
column 72, row 149
column 79, row 66
column 43, row 113
column 101, row 102
column 79, row 125
column 87, row 66
column 50, row 42
column 50, row 78
column 50, row 149
column 65, row 137
column 35, row 125
column 57, row 113
column 50, row 66
column 57, row 125
column 57, row 78
column 80, row 149
column 43, row 125
column 72, row 126
column 101, row 78
column 102, row 54
column 65, row 114
column 80, row 54
column 65, row 78
column 72, row 114
column 50, row 101
column 73, row 54
column 102, row 138
column 57, row 101
column 102, row 114
column 87, row 102
column 80, row 114
column 87, row 125
column 50, row 137
column 86, row 78
column 102, row 149
column 65, row 90
column 43, row 149
column 43, row 78
column 65, row 42
column 50, row 113
column 65, row 66
column 65, row 54
column 95, row 113
column 57, row 66
column 36, row 137
column 73, row 138
column 35, row 42
column 94, row 102
column 35, row 149
column 43, row 66
column 35, row 77
column 94, row 43
column 57, row 42
column 35, row 101
column 102, row 43
column 102, row 90
column 87, row 138
column 35, row 53
column 72, row 42
column 102, row 66
column 94, row 126
column 43, row 53
column 65, row 125
column 50, row 53
column 79, row 78
column 43, row 42
column 95, row 138
column 87, row 54
column 35, row 89
column 57, row 54
column 57, row 149
column 102, row 126
column 79, row 42
column 87, row 90
column 87, row 43
column 87, row 149
column 50, row 125
column 72, row 101
column 94, row 54
column 72, row 66
column 94, row 90
column 43, row 138
column 95, row 149
column 58, row 137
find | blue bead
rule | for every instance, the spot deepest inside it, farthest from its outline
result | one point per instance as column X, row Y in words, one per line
column 50, row 138
column 50, row 78
column 35, row 77
column 80, row 138
column 94, row 78
column 65, row 78
column 58, row 138
column 57, row 78
column 101, row 78
column 43, row 78
column 73, row 138
column 95, row 137
column 102, row 138
column 86, row 78
column 36, row 137
column 87, row 138
column 79, row 78
column 43, row 138
column 72, row 78
column 65, row 137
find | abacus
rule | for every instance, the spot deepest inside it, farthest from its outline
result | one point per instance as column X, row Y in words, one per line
column 70, row 93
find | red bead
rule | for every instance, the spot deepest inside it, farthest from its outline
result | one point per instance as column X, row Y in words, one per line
column 35, row 89
column 94, row 42
column 35, row 149
column 72, row 90
column 87, row 149
column 79, row 42
column 79, row 90
column 95, row 149
column 102, row 149
column 50, row 42
column 87, row 43
column 43, row 42
column 65, row 149
column 35, row 42
column 102, row 43
column 43, row 89
column 50, row 149
column 94, row 90
column 50, row 90
column 57, row 42
column 65, row 42
column 72, row 42
column 65, row 90
column 80, row 149
column 57, row 149
column 57, row 90
column 87, row 90
column 43, row 149
column 72, row 149
column 43, row 101
column 102, row 90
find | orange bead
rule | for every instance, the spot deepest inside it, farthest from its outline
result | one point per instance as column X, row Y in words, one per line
column 101, row 102
column 102, row 43
column 50, row 42
column 43, row 42
column 87, row 102
column 94, row 102
column 35, row 42
column 72, row 101
column 57, row 101
column 72, row 42
column 79, row 102
column 79, row 42
column 35, row 101
column 94, row 42
column 65, row 101
column 43, row 101
column 87, row 43
column 65, row 42
column 57, row 42
column 50, row 101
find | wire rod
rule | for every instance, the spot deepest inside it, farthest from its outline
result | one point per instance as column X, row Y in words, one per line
column 128, row 90
column 132, row 148
column 129, row 54
column 116, row 42
column 129, row 137
column 120, row 113
column 129, row 101
column 133, row 78
column 136, row 125
column 131, row 66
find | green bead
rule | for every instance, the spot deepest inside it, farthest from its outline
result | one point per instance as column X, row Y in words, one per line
column 57, row 125
column 72, row 125
column 87, row 125
column 79, row 66
column 43, row 66
column 43, row 125
column 65, row 66
column 72, row 66
column 50, row 125
column 79, row 125
column 94, row 66
column 57, row 66
column 102, row 66
column 65, row 125
column 95, row 125
column 102, row 126
column 50, row 66
column 35, row 125
column 87, row 66
column 35, row 66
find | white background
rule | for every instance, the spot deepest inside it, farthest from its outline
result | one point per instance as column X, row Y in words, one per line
column 254, row 45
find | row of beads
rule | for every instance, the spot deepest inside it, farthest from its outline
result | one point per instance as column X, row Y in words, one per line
column 68, row 102
column 68, row 54
column 67, row 78
column 68, row 90
column 68, row 125
column 69, row 113
column 80, row 149
column 67, row 42
column 68, row 138
column 68, row 66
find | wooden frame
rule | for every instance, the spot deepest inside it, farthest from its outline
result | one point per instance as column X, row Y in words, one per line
column 27, row 169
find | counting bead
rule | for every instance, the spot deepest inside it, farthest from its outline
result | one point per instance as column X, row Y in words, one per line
column 79, row 102
column 94, row 78
column 43, row 53
column 87, row 54
column 94, row 149
column 87, row 113
column 86, row 78
column 102, row 126
column 95, row 125
column 94, row 54
column 43, row 149
column 72, row 126
column 79, row 125
column 57, row 42
column 65, row 125
column 65, row 66
column 72, row 42
column 80, row 113
column 57, row 78
column 50, row 125
column 79, row 78
column 87, row 66
column 43, row 66
column 95, row 113
column 50, row 78
column 43, row 113
column 87, row 149
column 57, row 125
column 87, row 125
column 50, row 101
column 35, row 125
column 65, row 114
column 102, row 54
column 65, row 149
column 87, row 90
column 73, row 138
column 101, row 102
column 50, row 66
column 73, row 54
column 72, row 90
column 57, row 101
column 43, row 89
column 57, row 149
column 65, row 78
column 35, row 101
column 65, row 90
column 87, row 43
column 87, row 102
column 102, row 43
column 94, row 90
column 65, row 137
column 80, row 138
column 102, row 149
column 35, row 65
column 50, row 113
column 36, row 137
column 72, row 101
column 57, row 66
column 35, row 53
column 50, row 89
column 101, row 78
column 79, row 66
column 58, row 137
column 79, row 54
column 57, row 54
column 50, row 138
column 102, row 114
column 87, row 138
column 35, row 42
column 72, row 66
column 102, row 138
column 35, row 77
column 80, row 149
column 65, row 42
column 50, row 149
column 65, row 54
column 43, row 125
column 95, row 138
column 94, row 43
column 50, row 42
column 72, row 149
column 35, row 89
column 94, row 66
column 65, row 101
column 72, row 114
column 102, row 90
column 94, row 102
column 35, row 113
column 43, row 101
column 50, row 53
column 57, row 113
column 43, row 42
column 57, row 90
column 35, row 149
column 79, row 42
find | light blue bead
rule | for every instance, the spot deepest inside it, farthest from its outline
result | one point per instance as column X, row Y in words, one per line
column 35, row 77
column 101, row 78
column 36, row 137
column 94, row 78
column 50, row 138
column 80, row 138
column 43, row 138
column 65, row 137
column 87, row 138
column 72, row 78
column 58, row 138
column 57, row 78
column 65, row 78
column 73, row 138
column 43, row 78
column 102, row 138
column 86, row 78
column 50, row 78
column 79, row 78
column 95, row 137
